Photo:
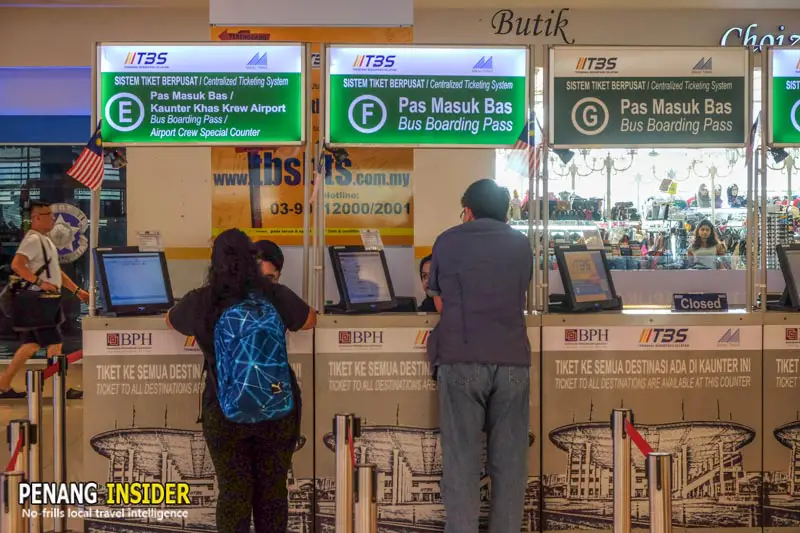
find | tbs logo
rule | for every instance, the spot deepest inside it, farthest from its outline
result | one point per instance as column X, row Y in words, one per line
column 144, row 59
column 586, row 335
column 374, row 61
column 361, row 337
column 596, row 63
column 120, row 340
column 671, row 336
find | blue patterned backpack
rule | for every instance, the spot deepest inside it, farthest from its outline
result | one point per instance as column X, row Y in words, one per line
column 254, row 381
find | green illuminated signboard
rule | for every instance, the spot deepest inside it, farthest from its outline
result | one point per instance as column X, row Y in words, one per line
column 784, row 102
column 201, row 94
column 648, row 97
column 426, row 96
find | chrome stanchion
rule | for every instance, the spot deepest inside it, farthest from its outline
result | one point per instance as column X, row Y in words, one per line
column 659, row 483
column 366, row 499
column 344, row 427
column 19, row 429
column 34, row 381
column 60, row 438
column 622, row 469
column 11, row 518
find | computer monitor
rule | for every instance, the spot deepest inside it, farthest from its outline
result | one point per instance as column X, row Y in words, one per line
column 362, row 277
column 134, row 282
column 789, row 259
column 587, row 279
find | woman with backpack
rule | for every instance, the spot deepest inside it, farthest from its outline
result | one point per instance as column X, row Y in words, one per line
column 251, row 399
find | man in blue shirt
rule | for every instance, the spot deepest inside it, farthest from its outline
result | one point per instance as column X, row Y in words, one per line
column 479, row 276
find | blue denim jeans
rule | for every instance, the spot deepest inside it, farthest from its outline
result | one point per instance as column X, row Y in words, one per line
column 476, row 399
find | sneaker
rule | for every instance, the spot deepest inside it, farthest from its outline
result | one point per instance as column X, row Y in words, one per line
column 11, row 394
column 74, row 394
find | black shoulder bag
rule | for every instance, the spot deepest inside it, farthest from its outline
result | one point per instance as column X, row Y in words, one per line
column 30, row 310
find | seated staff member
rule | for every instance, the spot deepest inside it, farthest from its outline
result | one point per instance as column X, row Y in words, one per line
column 270, row 257
column 251, row 460
column 707, row 246
column 427, row 305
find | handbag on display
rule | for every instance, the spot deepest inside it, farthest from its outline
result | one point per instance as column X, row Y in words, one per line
column 28, row 309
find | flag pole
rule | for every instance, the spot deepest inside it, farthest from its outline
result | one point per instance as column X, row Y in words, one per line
column 94, row 233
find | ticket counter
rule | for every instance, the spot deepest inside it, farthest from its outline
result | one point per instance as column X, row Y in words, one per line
column 376, row 368
column 781, row 420
column 141, row 405
column 694, row 383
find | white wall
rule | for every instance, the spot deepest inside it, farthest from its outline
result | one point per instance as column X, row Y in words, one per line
column 169, row 189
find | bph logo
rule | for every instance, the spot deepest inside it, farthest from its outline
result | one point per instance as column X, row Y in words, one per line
column 595, row 64
column 586, row 335
column 121, row 340
column 144, row 59
column 662, row 336
column 792, row 334
column 374, row 61
column 357, row 337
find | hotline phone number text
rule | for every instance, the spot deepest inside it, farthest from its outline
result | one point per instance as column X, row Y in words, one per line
column 345, row 208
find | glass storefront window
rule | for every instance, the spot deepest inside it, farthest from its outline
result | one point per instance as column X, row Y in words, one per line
column 647, row 205
column 31, row 173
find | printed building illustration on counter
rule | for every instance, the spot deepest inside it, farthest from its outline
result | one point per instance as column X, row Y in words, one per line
column 711, row 486
column 409, row 466
column 782, row 489
column 152, row 454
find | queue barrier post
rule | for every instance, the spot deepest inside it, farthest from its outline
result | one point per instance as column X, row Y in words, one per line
column 346, row 427
column 366, row 508
column 11, row 517
column 621, row 469
column 18, row 432
column 34, row 383
column 659, row 482
column 60, row 437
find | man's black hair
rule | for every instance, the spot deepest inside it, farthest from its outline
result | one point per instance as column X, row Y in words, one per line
column 486, row 199
column 39, row 204
column 270, row 252
column 425, row 260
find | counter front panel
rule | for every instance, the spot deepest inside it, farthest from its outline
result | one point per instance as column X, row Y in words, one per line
column 694, row 384
column 141, row 405
column 377, row 369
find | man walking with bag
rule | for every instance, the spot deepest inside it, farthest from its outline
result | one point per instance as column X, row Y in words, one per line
column 33, row 299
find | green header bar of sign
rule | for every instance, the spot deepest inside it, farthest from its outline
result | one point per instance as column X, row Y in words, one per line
column 202, row 94
column 648, row 97
column 426, row 96
column 784, row 101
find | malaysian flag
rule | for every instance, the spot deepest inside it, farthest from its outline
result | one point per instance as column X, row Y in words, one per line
column 89, row 167
column 526, row 153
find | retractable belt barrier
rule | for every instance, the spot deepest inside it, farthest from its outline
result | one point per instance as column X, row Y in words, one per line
column 356, row 484
column 25, row 444
column 659, row 476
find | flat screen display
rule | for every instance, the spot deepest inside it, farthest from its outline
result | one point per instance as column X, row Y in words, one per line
column 135, row 279
column 588, row 275
column 793, row 258
column 364, row 276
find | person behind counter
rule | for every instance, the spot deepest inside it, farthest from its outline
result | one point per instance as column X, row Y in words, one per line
column 251, row 460
column 427, row 305
column 481, row 358
column 706, row 246
column 39, row 272
column 270, row 257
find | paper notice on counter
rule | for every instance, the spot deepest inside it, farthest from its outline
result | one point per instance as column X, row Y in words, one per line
column 150, row 241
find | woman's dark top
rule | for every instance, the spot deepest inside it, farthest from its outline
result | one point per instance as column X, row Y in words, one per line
column 427, row 306
column 188, row 318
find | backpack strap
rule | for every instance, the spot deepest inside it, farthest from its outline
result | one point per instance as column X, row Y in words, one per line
column 25, row 285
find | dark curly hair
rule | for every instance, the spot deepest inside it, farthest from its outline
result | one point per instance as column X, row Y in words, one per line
column 232, row 276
